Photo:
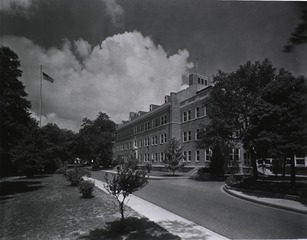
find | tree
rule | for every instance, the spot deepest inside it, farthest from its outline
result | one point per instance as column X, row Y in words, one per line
column 59, row 147
column 217, row 161
column 173, row 155
column 14, row 107
column 29, row 155
column 95, row 139
column 299, row 36
column 278, row 127
column 124, row 183
column 232, row 102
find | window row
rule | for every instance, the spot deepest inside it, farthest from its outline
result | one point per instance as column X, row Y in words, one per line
column 187, row 135
column 187, row 155
column 198, row 112
column 143, row 142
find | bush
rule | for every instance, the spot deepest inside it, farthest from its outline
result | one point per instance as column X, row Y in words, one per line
column 86, row 188
column 231, row 180
column 148, row 167
column 61, row 170
column 74, row 176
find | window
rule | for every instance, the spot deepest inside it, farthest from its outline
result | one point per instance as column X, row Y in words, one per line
column 197, row 155
column 189, row 135
column 189, row 156
column 189, row 115
column 135, row 129
column 140, row 158
column 156, row 122
column 205, row 111
column 184, row 116
column 207, row 154
column 184, row 136
column 162, row 138
column 237, row 154
column 184, row 156
column 206, row 82
column 154, row 140
column 165, row 139
column 197, row 112
column 198, row 80
column 140, row 143
column 145, row 142
column 156, row 157
column 141, row 128
column 202, row 81
column 162, row 154
column 197, row 134
column 135, row 144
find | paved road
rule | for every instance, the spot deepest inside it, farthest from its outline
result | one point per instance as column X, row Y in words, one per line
column 205, row 204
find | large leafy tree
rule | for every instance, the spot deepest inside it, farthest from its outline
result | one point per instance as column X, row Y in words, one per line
column 278, row 126
column 14, row 107
column 59, row 147
column 233, row 99
column 95, row 139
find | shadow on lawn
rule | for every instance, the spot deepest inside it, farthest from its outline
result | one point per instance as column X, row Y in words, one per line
column 135, row 229
column 8, row 188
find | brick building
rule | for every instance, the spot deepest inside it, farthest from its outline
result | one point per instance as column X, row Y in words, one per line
column 182, row 115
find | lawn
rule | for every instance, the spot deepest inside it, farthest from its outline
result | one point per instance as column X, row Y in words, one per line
column 46, row 207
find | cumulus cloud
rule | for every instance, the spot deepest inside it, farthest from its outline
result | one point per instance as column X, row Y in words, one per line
column 13, row 5
column 126, row 72
column 115, row 11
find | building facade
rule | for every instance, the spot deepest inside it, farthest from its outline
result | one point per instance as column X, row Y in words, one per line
column 182, row 116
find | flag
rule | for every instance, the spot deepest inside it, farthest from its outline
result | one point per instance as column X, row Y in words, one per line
column 47, row 77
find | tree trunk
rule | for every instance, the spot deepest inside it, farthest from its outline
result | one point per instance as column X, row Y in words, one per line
column 284, row 167
column 254, row 164
column 293, row 177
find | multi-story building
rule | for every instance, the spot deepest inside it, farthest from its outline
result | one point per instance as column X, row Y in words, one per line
column 182, row 116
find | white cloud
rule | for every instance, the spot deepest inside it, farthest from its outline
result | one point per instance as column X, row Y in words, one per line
column 15, row 5
column 115, row 11
column 127, row 72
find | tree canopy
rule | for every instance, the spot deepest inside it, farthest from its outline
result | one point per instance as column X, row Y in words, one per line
column 95, row 139
column 14, row 106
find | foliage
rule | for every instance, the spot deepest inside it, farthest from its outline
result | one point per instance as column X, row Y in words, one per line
column 231, row 180
column 276, row 166
column 14, row 107
column 60, row 144
column 95, row 140
column 299, row 36
column 148, row 167
column 28, row 155
column 278, row 126
column 217, row 163
column 124, row 183
column 86, row 187
column 233, row 100
column 61, row 170
column 75, row 175
column 173, row 155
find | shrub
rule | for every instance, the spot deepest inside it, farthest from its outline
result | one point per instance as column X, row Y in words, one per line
column 86, row 187
column 231, row 180
column 74, row 176
column 61, row 170
column 148, row 167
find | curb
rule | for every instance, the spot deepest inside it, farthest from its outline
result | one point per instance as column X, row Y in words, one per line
column 153, row 177
column 287, row 208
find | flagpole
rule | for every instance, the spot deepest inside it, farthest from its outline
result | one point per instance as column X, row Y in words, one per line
column 40, row 96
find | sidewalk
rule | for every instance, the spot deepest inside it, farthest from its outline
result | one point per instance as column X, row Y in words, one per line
column 173, row 223
column 285, row 204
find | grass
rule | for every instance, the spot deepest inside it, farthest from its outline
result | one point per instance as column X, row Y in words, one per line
column 47, row 207
column 275, row 185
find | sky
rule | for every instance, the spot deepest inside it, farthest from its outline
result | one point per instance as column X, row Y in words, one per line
column 118, row 56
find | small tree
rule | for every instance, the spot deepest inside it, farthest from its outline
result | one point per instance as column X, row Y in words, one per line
column 173, row 155
column 125, row 182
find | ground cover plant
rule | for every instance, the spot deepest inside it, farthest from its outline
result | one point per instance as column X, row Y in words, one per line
column 272, row 185
column 46, row 207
